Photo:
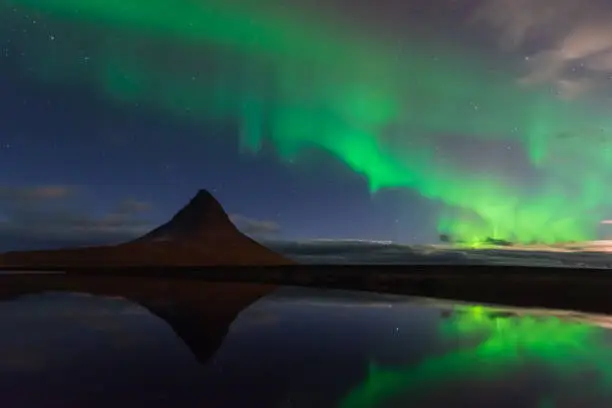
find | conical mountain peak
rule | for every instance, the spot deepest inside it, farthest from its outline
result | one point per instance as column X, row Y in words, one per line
column 203, row 207
column 202, row 216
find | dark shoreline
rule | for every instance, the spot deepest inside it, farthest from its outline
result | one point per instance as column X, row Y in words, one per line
column 587, row 290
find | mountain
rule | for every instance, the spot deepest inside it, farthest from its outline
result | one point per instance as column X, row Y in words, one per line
column 200, row 234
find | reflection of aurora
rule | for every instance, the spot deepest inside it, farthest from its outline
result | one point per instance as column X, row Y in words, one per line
column 507, row 343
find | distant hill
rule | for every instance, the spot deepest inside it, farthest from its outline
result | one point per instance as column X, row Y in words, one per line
column 200, row 234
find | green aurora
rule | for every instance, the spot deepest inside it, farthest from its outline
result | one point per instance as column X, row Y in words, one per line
column 300, row 81
column 506, row 344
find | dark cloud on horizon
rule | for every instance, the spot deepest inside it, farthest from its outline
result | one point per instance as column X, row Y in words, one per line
column 254, row 227
column 26, row 195
column 359, row 252
column 56, row 216
column 372, row 252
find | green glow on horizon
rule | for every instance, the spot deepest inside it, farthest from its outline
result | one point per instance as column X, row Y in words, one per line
column 297, row 80
column 507, row 344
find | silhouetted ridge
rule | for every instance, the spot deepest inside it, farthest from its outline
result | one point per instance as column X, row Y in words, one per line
column 201, row 217
column 200, row 234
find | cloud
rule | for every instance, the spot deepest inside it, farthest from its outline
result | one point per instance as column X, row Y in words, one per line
column 29, row 194
column 575, row 38
column 54, row 216
column 589, row 255
column 518, row 21
column 133, row 206
column 359, row 252
column 255, row 227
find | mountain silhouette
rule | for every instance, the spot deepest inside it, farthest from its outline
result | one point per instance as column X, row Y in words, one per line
column 200, row 234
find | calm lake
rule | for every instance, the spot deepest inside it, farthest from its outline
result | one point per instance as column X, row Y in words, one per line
column 120, row 343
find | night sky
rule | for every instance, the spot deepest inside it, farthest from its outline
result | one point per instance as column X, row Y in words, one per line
column 307, row 119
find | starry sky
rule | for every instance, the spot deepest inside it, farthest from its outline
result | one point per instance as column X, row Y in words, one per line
column 388, row 120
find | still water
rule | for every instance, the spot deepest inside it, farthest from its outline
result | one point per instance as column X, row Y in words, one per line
column 228, row 345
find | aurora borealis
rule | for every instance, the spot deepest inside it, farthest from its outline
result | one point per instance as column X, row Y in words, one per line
column 299, row 79
column 492, row 347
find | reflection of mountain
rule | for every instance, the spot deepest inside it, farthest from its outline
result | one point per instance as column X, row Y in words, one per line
column 201, row 234
column 200, row 313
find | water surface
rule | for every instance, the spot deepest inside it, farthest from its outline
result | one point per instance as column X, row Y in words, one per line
column 247, row 345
